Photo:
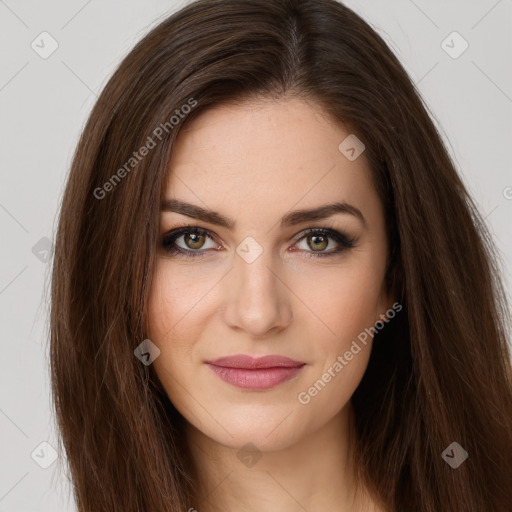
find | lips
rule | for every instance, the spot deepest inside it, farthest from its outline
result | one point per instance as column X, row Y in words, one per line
column 251, row 373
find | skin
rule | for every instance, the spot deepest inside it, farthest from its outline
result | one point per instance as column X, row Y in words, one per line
column 255, row 163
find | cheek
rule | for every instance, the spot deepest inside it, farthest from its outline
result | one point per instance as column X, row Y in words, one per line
column 175, row 294
column 346, row 303
column 329, row 391
column 179, row 306
column 343, row 303
column 170, row 304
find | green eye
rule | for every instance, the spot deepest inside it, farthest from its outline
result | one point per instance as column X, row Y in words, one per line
column 196, row 238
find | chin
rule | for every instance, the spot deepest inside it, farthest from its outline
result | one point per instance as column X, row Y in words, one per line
column 266, row 432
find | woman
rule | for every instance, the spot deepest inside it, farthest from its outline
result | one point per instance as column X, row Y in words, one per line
column 271, row 289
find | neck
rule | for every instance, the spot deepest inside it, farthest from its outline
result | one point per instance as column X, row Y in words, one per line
column 315, row 474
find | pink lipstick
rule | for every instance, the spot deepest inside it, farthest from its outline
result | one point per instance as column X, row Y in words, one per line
column 256, row 374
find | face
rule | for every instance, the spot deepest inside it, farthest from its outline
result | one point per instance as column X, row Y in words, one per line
column 257, row 278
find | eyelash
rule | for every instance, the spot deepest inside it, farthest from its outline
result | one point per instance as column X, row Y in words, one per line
column 169, row 239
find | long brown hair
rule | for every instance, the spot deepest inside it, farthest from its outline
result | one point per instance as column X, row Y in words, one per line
column 439, row 373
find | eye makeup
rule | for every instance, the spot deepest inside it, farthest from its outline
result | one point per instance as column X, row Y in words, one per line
column 190, row 234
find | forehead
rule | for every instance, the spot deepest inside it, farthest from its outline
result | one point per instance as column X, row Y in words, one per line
column 266, row 154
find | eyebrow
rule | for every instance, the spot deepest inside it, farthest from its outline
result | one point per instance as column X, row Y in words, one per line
column 290, row 219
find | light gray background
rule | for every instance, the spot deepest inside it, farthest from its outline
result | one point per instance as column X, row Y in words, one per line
column 45, row 102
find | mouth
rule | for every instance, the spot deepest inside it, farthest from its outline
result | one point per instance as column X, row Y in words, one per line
column 256, row 374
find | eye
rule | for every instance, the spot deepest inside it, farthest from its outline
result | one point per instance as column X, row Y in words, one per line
column 187, row 241
column 318, row 240
column 192, row 241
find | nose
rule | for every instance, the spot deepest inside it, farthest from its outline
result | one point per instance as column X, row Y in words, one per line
column 257, row 298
